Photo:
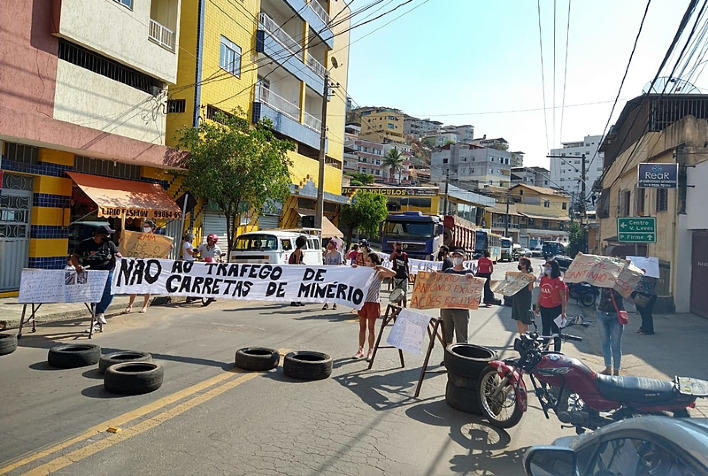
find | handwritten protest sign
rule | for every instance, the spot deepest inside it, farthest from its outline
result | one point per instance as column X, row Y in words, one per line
column 604, row 272
column 144, row 245
column 251, row 281
column 61, row 285
column 446, row 291
column 514, row 281
column 408, row 331
column 649, row 264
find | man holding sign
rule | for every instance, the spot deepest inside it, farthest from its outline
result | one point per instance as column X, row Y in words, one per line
column 456, row 320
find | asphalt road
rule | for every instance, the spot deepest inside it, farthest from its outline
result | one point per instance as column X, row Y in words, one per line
column 210, row 418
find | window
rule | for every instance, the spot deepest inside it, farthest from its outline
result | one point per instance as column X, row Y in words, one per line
column 125, row 3
column 176, row 105
column 633, row 456
column 390, row 126
column 624, row 203
column 564, row 206
column 640, row 201
column 230, row 56
column 472, row 170
column 107, row 168
column 444, row 161
column 662, row 199
column 546, row 204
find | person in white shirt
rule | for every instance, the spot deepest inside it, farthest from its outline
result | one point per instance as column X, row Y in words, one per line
column 188, row 251
column 209, row 251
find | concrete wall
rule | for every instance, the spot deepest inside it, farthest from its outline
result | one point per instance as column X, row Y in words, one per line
column 120, row 33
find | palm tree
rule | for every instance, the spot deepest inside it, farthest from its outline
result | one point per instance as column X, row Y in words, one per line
column 393, row 159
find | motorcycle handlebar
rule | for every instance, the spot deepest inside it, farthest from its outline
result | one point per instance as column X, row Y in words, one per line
column 571, row 337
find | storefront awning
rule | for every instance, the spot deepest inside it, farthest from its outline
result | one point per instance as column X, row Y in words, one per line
column 544, row 217
column 116, row 197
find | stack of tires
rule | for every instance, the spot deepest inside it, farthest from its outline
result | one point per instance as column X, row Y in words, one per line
column 465, row 363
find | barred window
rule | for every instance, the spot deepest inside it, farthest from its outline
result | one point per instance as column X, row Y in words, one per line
column 176, row 105
column 662, row 199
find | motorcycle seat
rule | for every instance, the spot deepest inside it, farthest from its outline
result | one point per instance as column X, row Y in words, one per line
column 635, row 389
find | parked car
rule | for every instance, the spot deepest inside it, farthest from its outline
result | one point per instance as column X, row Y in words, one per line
column 537, row 251
column 563, row 262
column 646, row 445
column 274, row 247
column 526, row 252
column 552, row 248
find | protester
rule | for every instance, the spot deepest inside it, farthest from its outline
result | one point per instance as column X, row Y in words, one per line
column 443, row 255
column 353, row 252
column 521, row 302
column 372, row 306
column 485, row 268
column 610, row 329
column 364, row 251
column 210, row 251
column 644, row 296
column 399, row 260
column 148, row 227
column 98, row 253
column 456, row 321
column 333, row 257
column 552, row 300
column 188, row 254
column 296, row 257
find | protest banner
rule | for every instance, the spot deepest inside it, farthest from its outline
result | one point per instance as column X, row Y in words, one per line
column 514, row 281
column 649, row 264
column 408, row 331
column 144, row 245
column 61, row 285
column 604, row 272
column 446, row 291
column 417, row 265
column 246, row 281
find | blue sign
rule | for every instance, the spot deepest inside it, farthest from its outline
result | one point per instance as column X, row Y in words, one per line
column 658, row 176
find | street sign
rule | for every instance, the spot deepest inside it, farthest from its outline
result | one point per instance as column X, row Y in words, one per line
column 657, row 175
column 636, row 230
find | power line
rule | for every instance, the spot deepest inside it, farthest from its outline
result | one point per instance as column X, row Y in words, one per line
column 553, row 134
column 565, row 72
column 543, row 76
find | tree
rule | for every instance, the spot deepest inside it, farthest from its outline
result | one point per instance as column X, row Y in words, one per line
column 361, row 178
column 366, row 212
column 578, row 239
column 393, row 159
column 237, row 165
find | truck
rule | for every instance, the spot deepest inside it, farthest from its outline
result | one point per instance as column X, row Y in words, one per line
column 422, row 235
column 507, row 245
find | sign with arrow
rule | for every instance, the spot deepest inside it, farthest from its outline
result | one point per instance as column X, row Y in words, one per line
column 636, row 230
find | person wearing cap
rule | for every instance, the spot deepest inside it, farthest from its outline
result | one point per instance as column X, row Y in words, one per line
column 444, row 256
column 399, row 260
column 98, row 253
column 456, row 321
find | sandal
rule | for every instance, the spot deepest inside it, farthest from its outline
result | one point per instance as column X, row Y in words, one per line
column 128, row 309
column 369, row 355
column 359, row 354
column 144, row 310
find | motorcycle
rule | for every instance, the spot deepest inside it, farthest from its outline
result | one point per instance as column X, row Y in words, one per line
column 583, row 293
column 579, row 397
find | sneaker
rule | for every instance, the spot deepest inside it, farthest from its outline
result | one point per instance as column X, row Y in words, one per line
column 325, row 307
column 369, row 355
column 334, row 307
column 101, row 318
column 359, row 354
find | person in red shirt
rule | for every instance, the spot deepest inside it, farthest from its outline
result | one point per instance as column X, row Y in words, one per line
column 552, row 299
column 485, row 268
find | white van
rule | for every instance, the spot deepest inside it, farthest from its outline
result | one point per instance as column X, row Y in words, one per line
column 274, row 247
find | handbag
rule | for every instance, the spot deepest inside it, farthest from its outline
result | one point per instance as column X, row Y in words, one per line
column 641, row 300
column 622, row 316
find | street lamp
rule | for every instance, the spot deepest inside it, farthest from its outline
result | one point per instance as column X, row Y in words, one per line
column 319, row 213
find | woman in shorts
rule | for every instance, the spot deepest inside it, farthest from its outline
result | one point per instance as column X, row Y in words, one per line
column 372, row 306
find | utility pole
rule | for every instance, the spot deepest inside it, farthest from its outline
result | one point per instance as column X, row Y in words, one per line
column 506, row 227
column 582, row 191
column 319, row 213
column 447, row 197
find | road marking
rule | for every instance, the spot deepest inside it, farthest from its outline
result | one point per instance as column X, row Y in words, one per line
column 240, row 377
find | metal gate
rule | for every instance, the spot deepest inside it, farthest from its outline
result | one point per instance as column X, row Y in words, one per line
column 699, row 273
column 15, row 209
column 173, row 229
column 215, row 222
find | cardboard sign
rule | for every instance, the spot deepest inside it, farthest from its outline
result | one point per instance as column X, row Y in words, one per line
column 144, row 245
column 514, row 281
column 446, row 291
column 649, row 264
column 408, row 331
column 61, row 285
column 604, row 272
column 246, row 281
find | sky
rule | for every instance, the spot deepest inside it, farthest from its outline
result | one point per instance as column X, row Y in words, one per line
column 479, row 62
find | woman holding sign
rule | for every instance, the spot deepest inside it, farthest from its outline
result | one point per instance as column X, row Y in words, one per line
column 521, row 304
column 372, row 306
column 551, row 302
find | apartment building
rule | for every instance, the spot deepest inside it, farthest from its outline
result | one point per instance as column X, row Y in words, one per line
column 466, row 162
column 382, row 125
column 275, row 59
column 82, row 122
column 412, row 126
column 567, row 166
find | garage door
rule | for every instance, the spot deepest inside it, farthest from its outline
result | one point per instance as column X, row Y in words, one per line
column 214, row 222
column 699, row 273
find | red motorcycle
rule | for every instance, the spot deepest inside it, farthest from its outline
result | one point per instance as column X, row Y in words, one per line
column 579, row 397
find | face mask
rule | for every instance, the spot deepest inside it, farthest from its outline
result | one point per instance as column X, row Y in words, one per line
column 398, row 250
column 457, row 261
column 547, row 271
column 147, row 229
column 440, row 256
column 520, row 268
column 106, row 239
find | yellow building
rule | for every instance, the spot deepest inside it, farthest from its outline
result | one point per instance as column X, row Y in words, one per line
column 382, row 125
column 271, row 59
column 404, row 199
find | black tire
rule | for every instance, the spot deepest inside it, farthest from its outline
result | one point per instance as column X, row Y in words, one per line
column 72, row 356
column 257, row 358
column 123, row 356
column 587, row 299
column 501, row 411
column 307, row 365
column 462, row 381
column 462, row 399
column 207, row 301
column 8, row 343
column 133, row 378
column 468, row 360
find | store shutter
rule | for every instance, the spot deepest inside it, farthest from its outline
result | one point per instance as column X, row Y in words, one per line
column 214, row 222
column 267, row 222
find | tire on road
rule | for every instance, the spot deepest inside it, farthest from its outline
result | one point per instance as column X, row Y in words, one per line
column 257, row 358
column 8, row 343
column 462, row 399
column 467, row 360
column 307, row 365
column 122, row 356
column 70, row 356
column 133, row 378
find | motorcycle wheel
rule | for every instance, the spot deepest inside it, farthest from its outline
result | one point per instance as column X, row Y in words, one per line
column 500, row 410
column 207, row 301
column 587, row 299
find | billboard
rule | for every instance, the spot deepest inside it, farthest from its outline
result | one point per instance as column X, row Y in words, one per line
column 657, row 175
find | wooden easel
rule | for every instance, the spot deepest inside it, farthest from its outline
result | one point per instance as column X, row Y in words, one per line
column 436, row 329
column 33, row 314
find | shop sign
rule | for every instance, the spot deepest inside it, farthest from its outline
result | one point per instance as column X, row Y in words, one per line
column 395, row 191
column 657, row 176
column 139, row 213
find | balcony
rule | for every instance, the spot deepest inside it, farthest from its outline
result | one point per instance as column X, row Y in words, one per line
column 316, row 16
column 285, row 117
column 313, row 123
column 319, row 11
column 162, row 35
column 276, row 44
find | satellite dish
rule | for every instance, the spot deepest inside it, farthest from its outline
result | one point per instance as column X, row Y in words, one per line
column 396, row 296
column 335, row 63
column 668, row 85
